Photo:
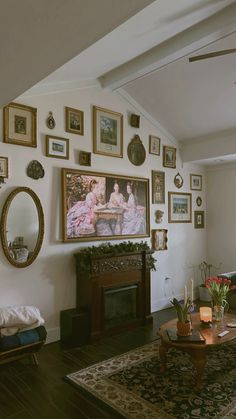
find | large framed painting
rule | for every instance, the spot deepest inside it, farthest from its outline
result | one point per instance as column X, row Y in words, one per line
column 98, row 206
column 19, row 125
column 179, row 207
column 107, row 132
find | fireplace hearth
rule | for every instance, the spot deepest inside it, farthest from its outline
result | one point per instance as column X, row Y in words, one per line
column 117, row 292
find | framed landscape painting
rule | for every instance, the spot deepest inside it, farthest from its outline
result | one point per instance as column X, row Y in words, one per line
column 98, row 206
column 19, row 125
column 107, row 132
column 57, row 147
column 179, row 207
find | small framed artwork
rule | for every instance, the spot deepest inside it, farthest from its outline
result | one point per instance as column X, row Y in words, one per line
column 169, row 157
column 74, row 121
column 199, row 201
column 19, row 125
column 159, row 239
column 195, row 182
column 154, row 145
column 198, row 219
column 84, row 158
column 179, row 207
column 135, row 120
column 158, row 187
column 57, row 147
column 3, row 166
column 107, row 132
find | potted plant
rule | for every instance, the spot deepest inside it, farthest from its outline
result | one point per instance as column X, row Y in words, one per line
column 218, row 289
column 183, row 322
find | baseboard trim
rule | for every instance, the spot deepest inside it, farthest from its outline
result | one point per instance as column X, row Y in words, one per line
column 53, row 335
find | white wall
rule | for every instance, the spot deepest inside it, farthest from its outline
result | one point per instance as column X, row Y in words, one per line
column 221, row 210
column 49, row 282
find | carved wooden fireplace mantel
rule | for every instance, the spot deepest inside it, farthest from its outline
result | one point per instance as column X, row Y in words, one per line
column 116, row 294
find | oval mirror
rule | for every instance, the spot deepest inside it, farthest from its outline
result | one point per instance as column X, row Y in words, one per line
column 22, row 227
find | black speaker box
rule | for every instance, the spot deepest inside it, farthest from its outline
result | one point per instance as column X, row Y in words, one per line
column 74, row 327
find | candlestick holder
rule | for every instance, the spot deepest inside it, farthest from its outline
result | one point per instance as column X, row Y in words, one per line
column 190, row 311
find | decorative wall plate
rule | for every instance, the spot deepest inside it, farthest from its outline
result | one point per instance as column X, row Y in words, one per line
column 178, row 181
column 199, row 201
column 50, row 121
column 136, row 151
column 35, row 170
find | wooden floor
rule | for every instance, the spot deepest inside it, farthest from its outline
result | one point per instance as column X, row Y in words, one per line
column 27, row 391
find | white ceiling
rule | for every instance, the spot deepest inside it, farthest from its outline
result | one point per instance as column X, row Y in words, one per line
column 147, row 56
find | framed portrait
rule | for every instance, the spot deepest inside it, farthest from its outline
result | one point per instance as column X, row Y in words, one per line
column 159, row 239
column 199, row 219
column 154, row 145
column 3, row 166
column 107, row 132
column 179, row 207
column 20, row 125
column 74, row 121
column 57, row 147
column 85, row 158
column 169, row 157
column 158, row 187
column 195, row 182
column 100, row 206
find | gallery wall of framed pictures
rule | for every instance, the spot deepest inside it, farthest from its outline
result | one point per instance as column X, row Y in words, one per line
column 110, row 136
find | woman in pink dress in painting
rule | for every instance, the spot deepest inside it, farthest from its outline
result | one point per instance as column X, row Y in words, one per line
column 134, row 216
column 116, row 198
column 80, row 217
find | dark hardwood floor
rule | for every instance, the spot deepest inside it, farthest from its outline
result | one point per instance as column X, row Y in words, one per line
column 27, row 391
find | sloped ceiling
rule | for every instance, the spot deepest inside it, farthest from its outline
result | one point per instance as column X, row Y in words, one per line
column 38, row 36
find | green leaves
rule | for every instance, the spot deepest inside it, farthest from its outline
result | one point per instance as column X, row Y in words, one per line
column 182, row 311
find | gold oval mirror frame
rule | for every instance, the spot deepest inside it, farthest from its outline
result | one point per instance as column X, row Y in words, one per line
column 8, row 249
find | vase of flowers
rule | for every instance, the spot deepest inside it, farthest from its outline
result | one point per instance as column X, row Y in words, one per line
column 218, row 289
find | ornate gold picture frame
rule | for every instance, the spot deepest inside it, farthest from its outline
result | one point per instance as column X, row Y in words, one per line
column 107, row 132
column 179, row 207
column 20, row 125
column 74, row 121
column 169, row 157
column 159, row 239
column 98, row 206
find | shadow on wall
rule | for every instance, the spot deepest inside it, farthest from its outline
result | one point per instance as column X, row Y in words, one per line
column 60, row 272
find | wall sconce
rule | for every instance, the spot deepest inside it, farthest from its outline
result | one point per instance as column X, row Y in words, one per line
column 206, row 316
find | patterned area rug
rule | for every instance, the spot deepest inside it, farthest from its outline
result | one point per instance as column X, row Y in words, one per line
column 132, row 385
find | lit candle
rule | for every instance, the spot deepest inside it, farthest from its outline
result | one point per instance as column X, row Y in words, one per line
column 185, row 295
column 191, row 291
column 205, row 314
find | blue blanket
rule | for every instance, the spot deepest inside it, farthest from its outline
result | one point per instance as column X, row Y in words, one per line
column 23, row 338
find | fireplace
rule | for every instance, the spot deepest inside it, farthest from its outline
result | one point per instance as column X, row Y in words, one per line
column 116, row 295
column 120, row 305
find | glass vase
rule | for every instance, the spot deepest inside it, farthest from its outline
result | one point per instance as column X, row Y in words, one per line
column 219, row 313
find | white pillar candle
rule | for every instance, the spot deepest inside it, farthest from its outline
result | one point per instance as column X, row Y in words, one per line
column 191, row 291
column 185, row 295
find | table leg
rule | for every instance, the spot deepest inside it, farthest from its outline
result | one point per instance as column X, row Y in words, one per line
column 199, row 361
column 163, row 349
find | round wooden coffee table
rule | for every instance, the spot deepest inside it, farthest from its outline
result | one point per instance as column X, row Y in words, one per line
column 197, row 351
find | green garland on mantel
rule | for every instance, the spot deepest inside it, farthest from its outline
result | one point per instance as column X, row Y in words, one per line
column 83, row 262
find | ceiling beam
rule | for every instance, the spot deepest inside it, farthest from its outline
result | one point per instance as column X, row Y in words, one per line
column 196, row 37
